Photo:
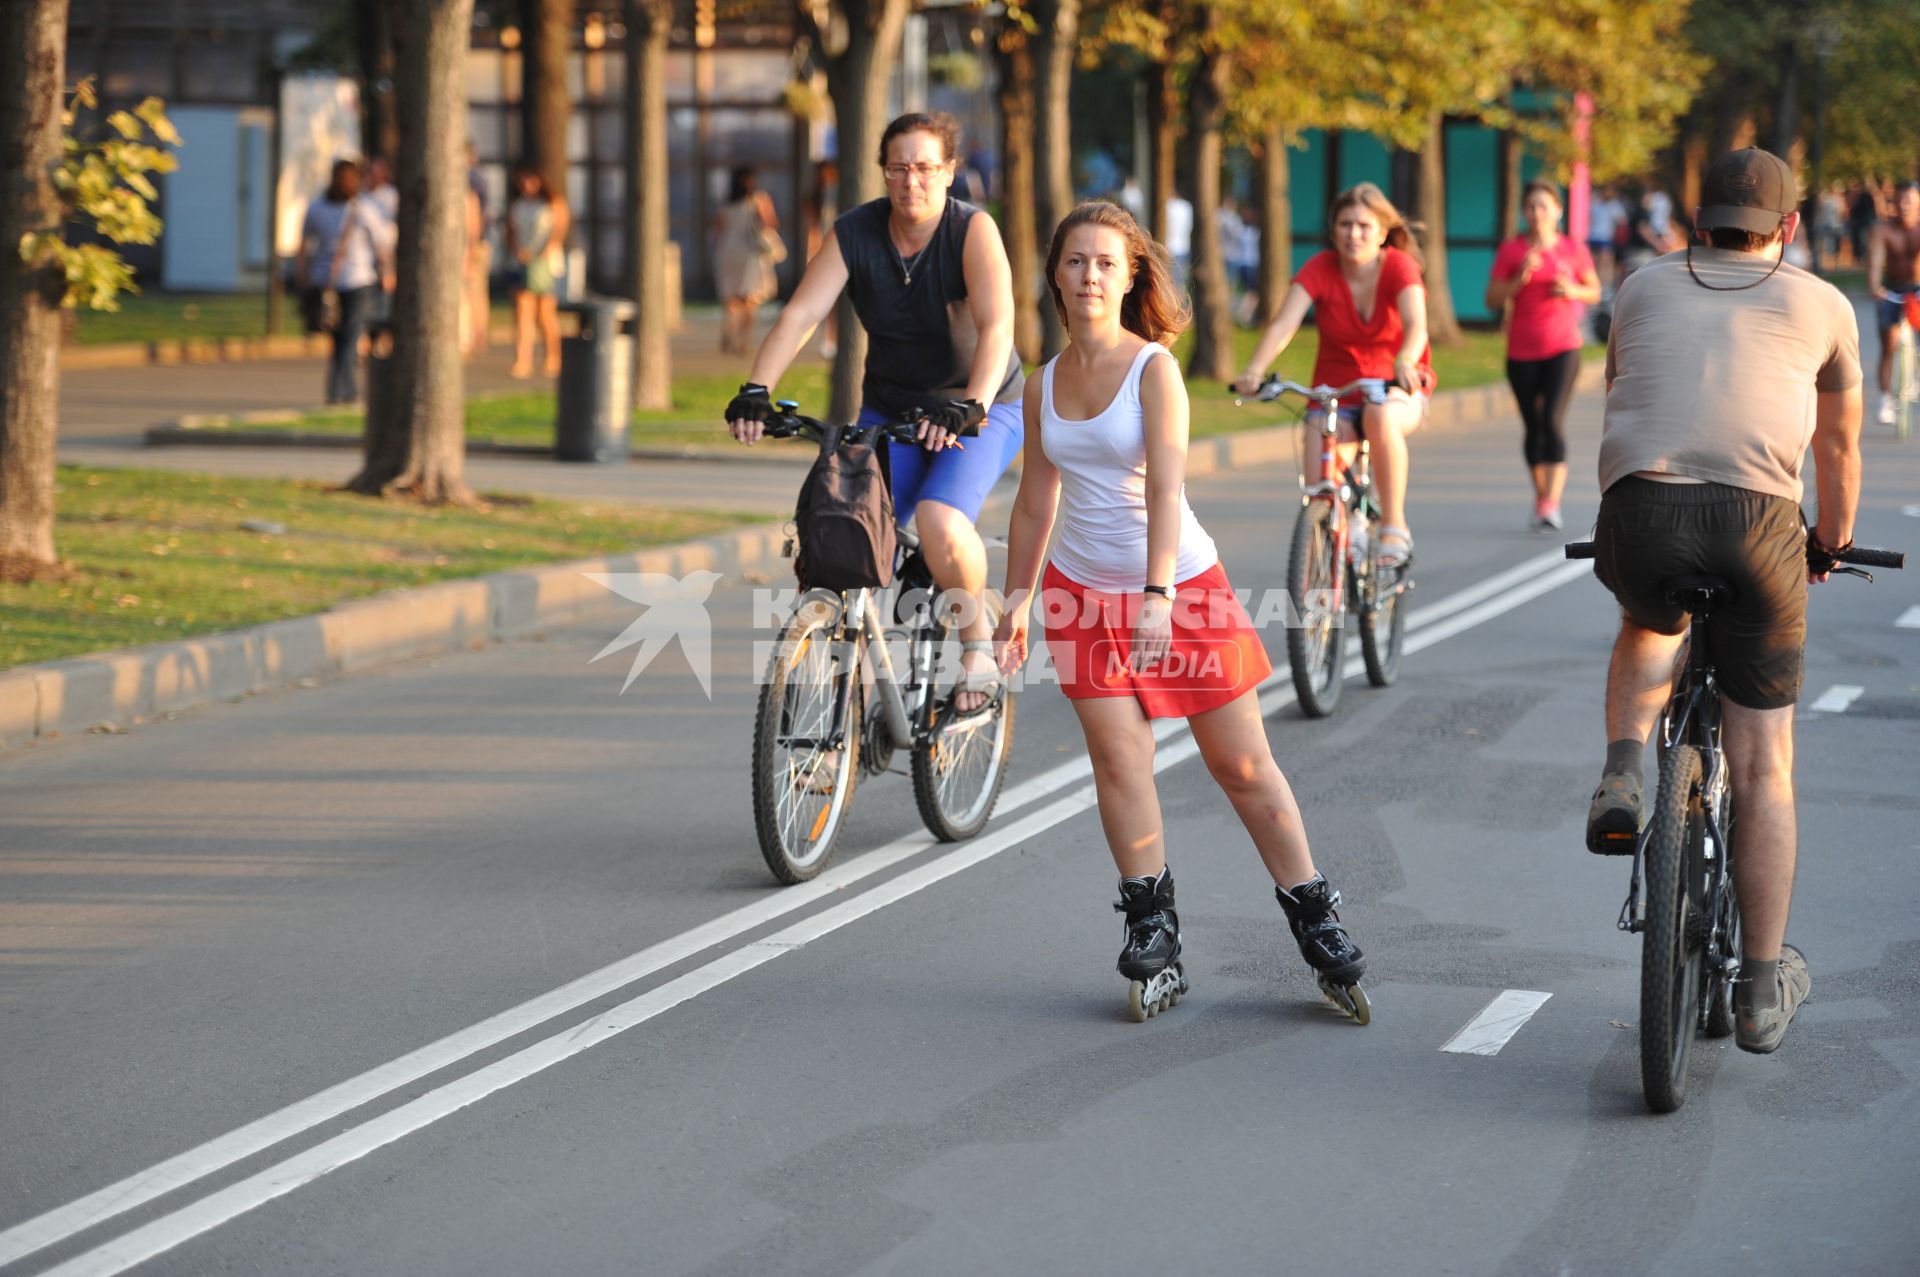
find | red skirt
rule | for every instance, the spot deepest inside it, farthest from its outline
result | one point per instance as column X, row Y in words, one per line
column 1214, row 657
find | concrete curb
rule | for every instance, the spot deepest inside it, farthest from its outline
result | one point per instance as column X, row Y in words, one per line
column 212, row 430
column 114, row 690
column 191, row 350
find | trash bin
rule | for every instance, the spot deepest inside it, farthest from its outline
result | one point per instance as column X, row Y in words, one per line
column 596, row 382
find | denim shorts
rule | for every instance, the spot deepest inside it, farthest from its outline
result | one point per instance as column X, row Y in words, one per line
column 1649, row 531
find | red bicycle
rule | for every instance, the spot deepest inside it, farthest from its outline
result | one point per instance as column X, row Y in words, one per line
column 1331, row 568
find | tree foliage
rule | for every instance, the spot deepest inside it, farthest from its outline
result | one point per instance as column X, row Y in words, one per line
column 103, row 182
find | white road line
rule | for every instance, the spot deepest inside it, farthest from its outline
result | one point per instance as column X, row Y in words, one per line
column 1836, row 698
column 1496, row 1024
column 98, row 1207
column 1910, row 619
column 1911, row 511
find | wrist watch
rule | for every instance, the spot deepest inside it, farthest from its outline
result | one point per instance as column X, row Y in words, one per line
column 1165, row 592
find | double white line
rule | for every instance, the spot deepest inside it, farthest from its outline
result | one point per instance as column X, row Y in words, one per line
column 1067, row 785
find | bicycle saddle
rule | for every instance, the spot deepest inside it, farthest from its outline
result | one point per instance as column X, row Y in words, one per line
column 1679, row 589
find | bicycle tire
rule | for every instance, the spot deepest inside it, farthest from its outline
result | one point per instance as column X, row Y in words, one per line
column 1716, row 1013
column 937, row 802
column 1316, row 633
column 1383, row 621
column 1670, row 966
column 1904, row 376
column 778, row 802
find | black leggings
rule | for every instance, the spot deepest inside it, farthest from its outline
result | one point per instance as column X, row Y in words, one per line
column 1543, row 387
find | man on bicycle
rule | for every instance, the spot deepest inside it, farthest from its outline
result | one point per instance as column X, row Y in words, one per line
column 1893, row 275
column 1724, row 362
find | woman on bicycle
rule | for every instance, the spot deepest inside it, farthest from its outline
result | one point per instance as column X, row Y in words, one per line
column 1140, row 619
column 928, row 277
column 1371, row 307
column 1548, row 278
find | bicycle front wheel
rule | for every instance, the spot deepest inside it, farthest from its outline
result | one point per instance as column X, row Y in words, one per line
column 1673, row 954
column 1383, row 621
column 806, row 749
column 960, row 763
column 1905, row 389
column 1316, row 632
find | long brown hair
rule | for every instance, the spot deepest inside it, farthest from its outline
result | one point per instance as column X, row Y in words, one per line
column 1153, row 308
column 1400, row 232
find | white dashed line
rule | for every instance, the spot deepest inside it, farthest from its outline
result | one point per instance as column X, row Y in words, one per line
column 1496, row 1024
column 1910, row 619
column 1836, row 698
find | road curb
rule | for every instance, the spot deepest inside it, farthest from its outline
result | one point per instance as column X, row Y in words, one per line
column 214, row 430
column 111, row 691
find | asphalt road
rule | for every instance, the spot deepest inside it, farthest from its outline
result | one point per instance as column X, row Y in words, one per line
column 303, row 981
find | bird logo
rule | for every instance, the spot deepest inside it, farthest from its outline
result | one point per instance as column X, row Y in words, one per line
column 676, row 608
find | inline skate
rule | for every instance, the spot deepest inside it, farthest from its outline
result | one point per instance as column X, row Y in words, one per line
column 1336, row 961
column 1151, row 959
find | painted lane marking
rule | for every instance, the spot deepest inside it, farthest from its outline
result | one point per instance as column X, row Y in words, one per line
column 1911, row 511
column 1496, row 1024
column 63, row 1222
column 1836, row 698
column 1910, row 619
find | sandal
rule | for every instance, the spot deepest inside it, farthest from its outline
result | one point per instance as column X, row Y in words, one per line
column 1395, row 547
column 985, row 683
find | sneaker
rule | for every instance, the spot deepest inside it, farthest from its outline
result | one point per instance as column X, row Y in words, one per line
column 1551, row 520
column 1888, row 413
column 1613, row 820
column 1760, row 1030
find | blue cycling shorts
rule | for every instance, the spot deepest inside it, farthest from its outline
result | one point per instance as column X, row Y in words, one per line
column 960, row 477
column 1888, row 309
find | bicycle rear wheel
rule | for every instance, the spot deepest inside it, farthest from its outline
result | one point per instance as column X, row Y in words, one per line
column 1316, row 632
column 1673, row 953
column 1716, row 1016
column 959, row 768
column 1383, row 621
column 804, row 773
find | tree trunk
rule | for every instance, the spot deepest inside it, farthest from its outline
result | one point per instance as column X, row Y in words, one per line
column 33, row 42
column 1443, row 327
column 1059, row 22
column 545, row 104
column 425, row 425
column 1163, row 105
column 857, row 77
column 1212, row 356
column 379, row 121
column 1276, row 224
column 1017, row 220
column 649, row 24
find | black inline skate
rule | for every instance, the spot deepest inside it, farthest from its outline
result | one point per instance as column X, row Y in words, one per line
column 1336, row 961
column 1151, row 958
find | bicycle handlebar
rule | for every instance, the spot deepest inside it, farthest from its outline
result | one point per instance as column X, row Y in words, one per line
column 1865, row 556
column 1374, row 389
column 788, row 422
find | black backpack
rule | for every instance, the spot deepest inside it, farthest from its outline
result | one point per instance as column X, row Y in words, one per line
column 844, row 520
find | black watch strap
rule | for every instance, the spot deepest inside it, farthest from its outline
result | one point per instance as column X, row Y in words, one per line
column 1164, row 591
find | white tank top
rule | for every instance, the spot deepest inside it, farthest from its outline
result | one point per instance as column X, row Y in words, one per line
column 1102, row 538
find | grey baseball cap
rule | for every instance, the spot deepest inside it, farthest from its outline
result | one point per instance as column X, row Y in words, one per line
column 1748, row 190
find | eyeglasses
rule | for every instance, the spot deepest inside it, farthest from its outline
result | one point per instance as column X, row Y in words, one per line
column 900, row 172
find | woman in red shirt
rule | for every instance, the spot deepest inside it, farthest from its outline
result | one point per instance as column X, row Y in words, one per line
column 1548, row 278
column 1370, row 304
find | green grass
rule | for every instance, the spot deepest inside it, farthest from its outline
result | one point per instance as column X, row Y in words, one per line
column 156, row 555
column 156, row 316
column 526, row 417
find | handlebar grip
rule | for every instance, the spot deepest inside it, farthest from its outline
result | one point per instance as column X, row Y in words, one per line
column 1869, row 557
column 1579, row 549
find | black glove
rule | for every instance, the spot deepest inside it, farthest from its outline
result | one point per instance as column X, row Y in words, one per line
column 752, row 404
column 958, row 417
column 1821, row 560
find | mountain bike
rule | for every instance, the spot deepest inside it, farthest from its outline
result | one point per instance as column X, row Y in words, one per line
column 1331, row 565
column 836, row 706
column 1680, row 897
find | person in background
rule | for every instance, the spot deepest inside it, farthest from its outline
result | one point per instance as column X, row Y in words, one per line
column 1233, row 230
column 1893, row 275
column 749, row 247
column 1132, row 198
column 537, row 225
column 1862, row 212
column 1547, row 278
column 1180, row 237
column 340, row 254
column 478, row 264
column 1606, row 216
column 823, row 205
column 383, row 197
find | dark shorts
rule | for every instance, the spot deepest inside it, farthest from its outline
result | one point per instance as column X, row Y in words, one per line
column 1649, row 531
column 1888, row 310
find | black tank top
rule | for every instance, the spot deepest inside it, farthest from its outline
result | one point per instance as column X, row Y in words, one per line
column 920, row 333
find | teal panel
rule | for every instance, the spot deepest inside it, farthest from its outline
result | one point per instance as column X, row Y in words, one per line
column 1365, row 158
column 1467, row 272
column 1473, row 181
column 1307, row 175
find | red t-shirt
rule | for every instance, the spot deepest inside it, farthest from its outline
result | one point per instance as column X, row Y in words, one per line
column 1543, row 325
column 1350, row 347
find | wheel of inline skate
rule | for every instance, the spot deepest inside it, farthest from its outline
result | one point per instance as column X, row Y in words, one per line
column 1137, row 1006
column 1362, row 1009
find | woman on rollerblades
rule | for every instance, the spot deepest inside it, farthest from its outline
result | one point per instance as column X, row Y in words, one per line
column 1140, row 619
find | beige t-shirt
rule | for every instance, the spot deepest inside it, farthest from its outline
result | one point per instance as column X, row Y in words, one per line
column 1721, row 386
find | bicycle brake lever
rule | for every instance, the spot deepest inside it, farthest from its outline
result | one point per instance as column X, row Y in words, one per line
column 1862, row 573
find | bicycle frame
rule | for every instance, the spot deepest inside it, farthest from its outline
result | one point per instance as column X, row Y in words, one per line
column 1340, row 485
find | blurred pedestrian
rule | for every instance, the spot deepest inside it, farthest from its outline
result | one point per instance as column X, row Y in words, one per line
column 1862, row 214
column 537, row 225
column 1132, row 198
column 1547, row 278
column 1180, row 237
column 337, row 268
column 1606, row 224
column 1893, row 276
column 478, row 265
column 748, row 231
column 822, row 207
